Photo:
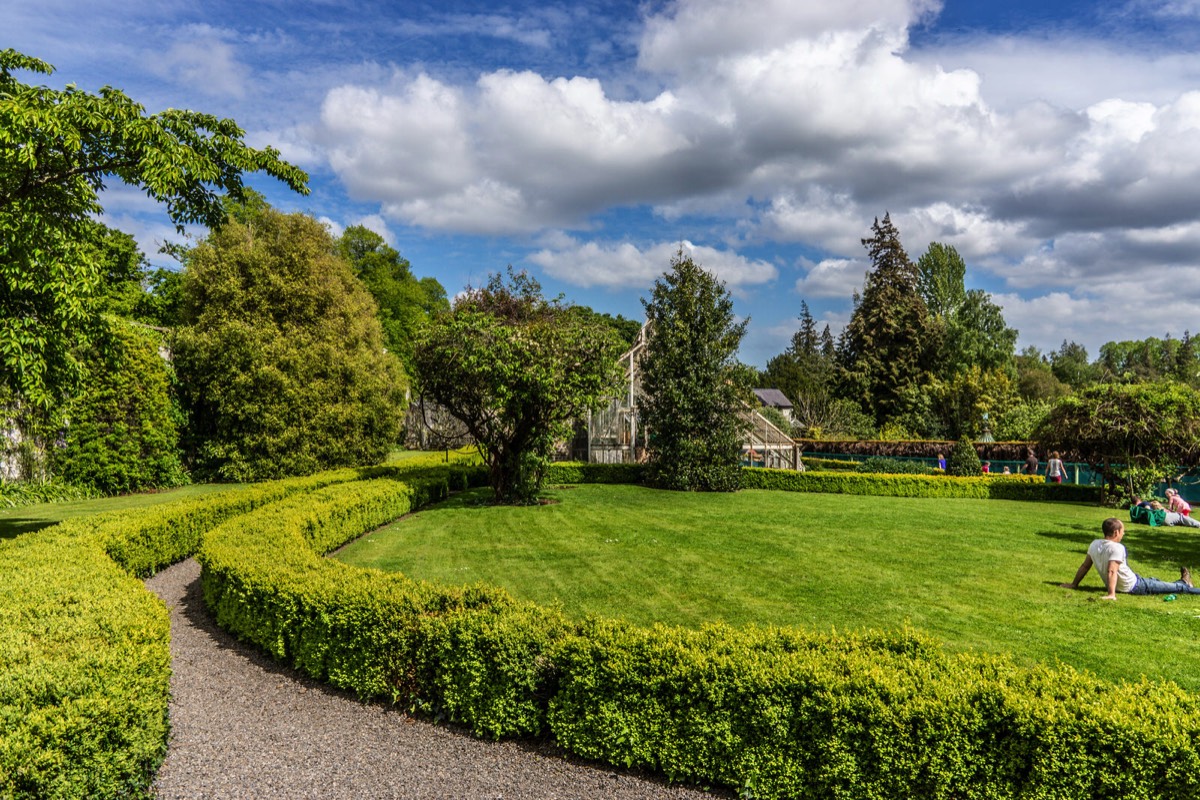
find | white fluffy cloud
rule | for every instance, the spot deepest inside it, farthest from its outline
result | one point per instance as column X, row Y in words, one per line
column 624, row 265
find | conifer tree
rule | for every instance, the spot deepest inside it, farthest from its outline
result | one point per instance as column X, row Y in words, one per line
column 883, row 350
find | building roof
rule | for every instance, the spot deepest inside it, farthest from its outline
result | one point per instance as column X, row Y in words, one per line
column 773, row 398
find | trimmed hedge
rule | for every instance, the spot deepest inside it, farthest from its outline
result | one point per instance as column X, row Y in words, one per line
column 1016, row 487
column 995, row 487
column 84, row 648
column 775, row 713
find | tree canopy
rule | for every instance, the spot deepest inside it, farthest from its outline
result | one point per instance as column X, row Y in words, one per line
column 1134, row 434
column 58, row 147
column 693, row 387
column 516, row 369
column 405, row 302
column 281, row 359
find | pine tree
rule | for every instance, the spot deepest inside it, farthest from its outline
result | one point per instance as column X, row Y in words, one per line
column 883, row 349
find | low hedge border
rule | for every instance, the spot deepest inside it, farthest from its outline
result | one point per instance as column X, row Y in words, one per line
column 995, row 487
column 774, row 713
column 84, row 648
column 1015, row 487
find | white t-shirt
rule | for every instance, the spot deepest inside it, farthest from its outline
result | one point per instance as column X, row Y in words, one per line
column 1103, row 551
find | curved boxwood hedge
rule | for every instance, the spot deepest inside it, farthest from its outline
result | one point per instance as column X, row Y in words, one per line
column 84, row 648
column 771, row 712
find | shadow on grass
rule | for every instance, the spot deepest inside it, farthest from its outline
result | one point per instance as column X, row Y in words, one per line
column 1169, row 545
column 12, row 527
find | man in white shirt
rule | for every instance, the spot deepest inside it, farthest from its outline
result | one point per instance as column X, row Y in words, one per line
column 1111, row 562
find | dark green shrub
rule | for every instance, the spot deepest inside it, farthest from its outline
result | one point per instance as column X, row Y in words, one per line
column 964, row 461
column 579, row 472
column 893, row 466
column 123, row 427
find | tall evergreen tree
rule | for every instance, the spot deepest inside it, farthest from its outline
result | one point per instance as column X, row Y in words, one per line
column 883, row 352
column 691, row 381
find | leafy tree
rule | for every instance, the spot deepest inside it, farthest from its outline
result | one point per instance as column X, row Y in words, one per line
column 941, row 277
column 969, row 394
column 405, row 302
column 692, row 384
column 1018, row 421
column 1035, row 380
column 964, row 459
column 1070, row 365
column 57, row 149
column 626, row 329
column 516, row 369
column 884, row 350
column 123, row 428
column 968, row 337
column 281, row 358
column 1133, row 434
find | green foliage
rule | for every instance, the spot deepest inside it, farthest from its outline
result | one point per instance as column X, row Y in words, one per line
column 1131, row 434
column 123, row 431
column 26, row 493
column 282, row 365
column 57, row 149
column 626, row 329
column 85, row 648
column 692, row 387
column 1029, row 488
column 962, row 401
column 893, row 466
column 885, row 349
column 1018, row 421
column 964, row 460
column 578, row 472
column 516, row 369
column 405, row 302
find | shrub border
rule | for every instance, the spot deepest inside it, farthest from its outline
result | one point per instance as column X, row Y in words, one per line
column 773, row 713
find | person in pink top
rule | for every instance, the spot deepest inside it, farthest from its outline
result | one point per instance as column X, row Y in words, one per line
column 1176, row 503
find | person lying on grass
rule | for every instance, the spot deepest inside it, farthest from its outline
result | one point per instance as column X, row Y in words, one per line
column 1175, row 518
column 1109, row 558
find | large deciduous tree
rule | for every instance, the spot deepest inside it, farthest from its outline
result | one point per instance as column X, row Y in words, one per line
column 884, row 349
column 405, row 302
column 281, row 358
column 693, row 386
column 1133, row 434
column 516, row 369
column 58, row 147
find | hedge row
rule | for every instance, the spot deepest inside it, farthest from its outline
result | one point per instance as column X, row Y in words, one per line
column 774, row 713
column 84, row 655
column 995, row 487
column 1014, row 487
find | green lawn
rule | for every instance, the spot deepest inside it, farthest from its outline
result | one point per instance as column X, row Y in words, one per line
column 25, row 519
column 975, row 573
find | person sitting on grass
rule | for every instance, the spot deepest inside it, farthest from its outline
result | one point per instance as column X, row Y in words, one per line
column 1108, row 556
column 1176, row 503
column 1175, row 518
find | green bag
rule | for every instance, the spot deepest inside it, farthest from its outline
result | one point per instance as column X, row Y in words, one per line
column 1148, row 516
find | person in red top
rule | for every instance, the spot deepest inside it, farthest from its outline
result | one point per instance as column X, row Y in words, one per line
column 1176, row 503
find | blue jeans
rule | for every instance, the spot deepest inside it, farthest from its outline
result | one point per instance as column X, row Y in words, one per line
column 1155, row 586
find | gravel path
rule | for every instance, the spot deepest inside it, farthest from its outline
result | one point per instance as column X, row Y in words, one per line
column 243, row 726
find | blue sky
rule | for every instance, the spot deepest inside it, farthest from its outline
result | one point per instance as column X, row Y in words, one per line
column 1056, row 145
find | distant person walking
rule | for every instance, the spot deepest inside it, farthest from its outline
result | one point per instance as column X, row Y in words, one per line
column 941, row 462
column 1055, row 468
column 1031, row 463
